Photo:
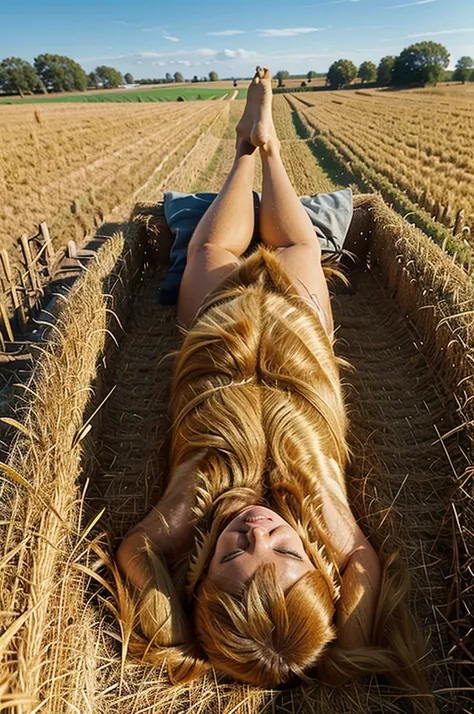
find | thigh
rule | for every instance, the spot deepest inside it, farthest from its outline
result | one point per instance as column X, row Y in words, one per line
column 207, row 265
column 302, row 262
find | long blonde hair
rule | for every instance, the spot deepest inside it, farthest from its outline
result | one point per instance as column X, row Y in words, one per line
column 256, row 386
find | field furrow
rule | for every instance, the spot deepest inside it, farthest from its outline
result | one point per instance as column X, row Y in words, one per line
column 394, row 135
column 76, row 194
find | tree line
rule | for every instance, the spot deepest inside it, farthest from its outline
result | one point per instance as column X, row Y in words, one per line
column 178, row 77
column 417, row 65
column 57, row 73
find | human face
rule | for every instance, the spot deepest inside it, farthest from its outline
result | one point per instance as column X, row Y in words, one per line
column 256, row 536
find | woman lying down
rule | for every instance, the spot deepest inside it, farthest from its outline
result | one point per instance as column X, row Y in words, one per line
column 252, row 562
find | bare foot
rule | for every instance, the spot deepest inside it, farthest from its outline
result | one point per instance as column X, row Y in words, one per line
column 256, row 125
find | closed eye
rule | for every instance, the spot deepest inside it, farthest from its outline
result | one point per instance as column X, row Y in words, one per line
column 234, row 553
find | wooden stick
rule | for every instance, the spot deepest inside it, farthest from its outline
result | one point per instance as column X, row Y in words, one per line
column 44, row 230
column 71, row 249
column 32, row 269
column 8, row 274
column 5, row 322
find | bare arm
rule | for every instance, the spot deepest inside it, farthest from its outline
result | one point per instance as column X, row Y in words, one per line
column 360, row 582
column 355, row 613
column 355, row 610
column 168, row 525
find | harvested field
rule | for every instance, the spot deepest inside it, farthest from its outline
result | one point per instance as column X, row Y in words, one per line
column 73, row 166
column 415, row 146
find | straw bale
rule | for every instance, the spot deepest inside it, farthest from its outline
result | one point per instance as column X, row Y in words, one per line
column 402, row 396
column 48, row 645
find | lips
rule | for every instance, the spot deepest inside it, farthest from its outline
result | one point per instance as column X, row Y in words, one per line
column 254, row 519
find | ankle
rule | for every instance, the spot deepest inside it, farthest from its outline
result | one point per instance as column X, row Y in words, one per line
column 271, row 148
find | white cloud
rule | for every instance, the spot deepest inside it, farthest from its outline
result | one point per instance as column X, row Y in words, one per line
column 227, row 33
column 205, row 52
column 191, row 56
column 201, row 52
column 409, row 4
column 442, row 32
column 288, row 31
column 235, row 54
column 170, row 38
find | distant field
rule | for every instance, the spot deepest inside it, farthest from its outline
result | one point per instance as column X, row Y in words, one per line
column 76, row 165
column 73, row 165
column 317, row 82
column 165, row 94
column 414, row 146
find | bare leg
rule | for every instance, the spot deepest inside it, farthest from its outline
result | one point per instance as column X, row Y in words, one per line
column 284, row 222
column 221, row 236
column 229, row 220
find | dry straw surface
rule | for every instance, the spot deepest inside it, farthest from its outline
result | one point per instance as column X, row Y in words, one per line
column 61, row 648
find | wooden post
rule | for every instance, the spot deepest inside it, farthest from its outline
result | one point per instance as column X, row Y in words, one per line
column 71, row 249
column 8, row 274
column 32, row 268
column 5, row 323
column 49, row 246
column 18, row 307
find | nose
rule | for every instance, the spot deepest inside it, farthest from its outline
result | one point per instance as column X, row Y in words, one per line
column 259, row 538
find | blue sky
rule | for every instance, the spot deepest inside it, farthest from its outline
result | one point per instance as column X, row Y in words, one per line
column 149, row 39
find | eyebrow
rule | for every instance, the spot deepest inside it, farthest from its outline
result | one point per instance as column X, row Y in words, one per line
column 227, row 559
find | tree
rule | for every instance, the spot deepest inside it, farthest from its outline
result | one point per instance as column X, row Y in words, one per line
column 17, row 76
column 60, row 74
column 367, row 72
column 213, row 76
column 281, row 75
column 109, row 76
column 195, row 79
column 128, row 78
column 92, row 79
column 168, row 77
column 385, row 70
column 311, row 75
column 420, row 64
column 463, row 70
column 178, row 77
column 341, row 73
